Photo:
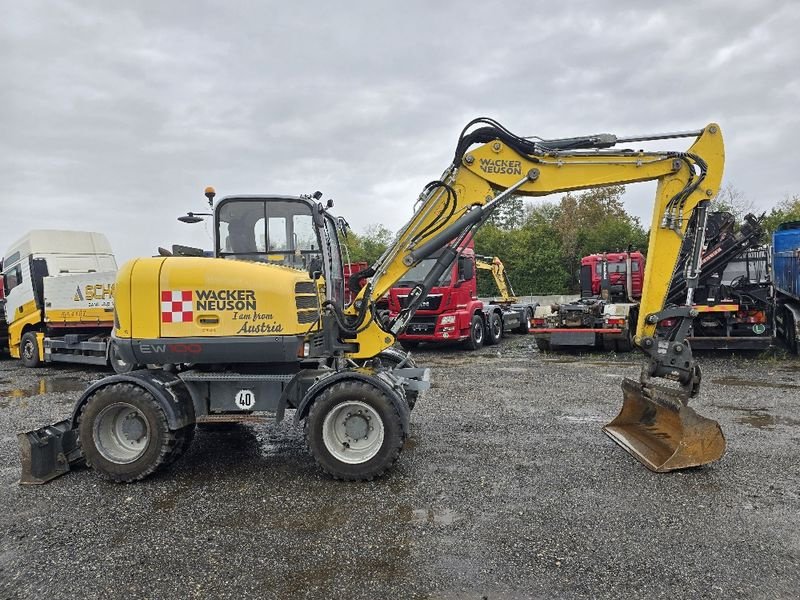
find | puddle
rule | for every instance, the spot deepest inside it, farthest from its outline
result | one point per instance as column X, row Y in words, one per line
column 761, row 419
column 46, row 385
column 753, row 383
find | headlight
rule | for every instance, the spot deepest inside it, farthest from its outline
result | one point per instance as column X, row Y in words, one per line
column 448, row 320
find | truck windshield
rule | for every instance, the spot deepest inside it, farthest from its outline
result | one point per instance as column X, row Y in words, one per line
column 617, row 267
column 274, row 231
column 418, row 273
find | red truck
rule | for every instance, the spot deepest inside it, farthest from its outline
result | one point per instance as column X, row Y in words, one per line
column 606, row 313
column 452, row 311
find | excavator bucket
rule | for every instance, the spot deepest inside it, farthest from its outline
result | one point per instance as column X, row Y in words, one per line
column 662, row 432
column 48, row 452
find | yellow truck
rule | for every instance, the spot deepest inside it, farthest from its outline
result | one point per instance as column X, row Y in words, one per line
column 59, row 298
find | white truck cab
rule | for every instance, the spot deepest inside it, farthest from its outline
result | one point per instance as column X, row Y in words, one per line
column 59, row 289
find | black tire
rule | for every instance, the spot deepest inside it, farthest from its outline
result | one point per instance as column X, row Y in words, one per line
column 525, row 326
column 184, row 436
column 160, row 444
column 789, row 331
column 625, row 344
column 392, row 359
column 408, row 344
column 117, row 363
column 337, row 398
column 608, row 344
column 29, row 350
column 476, row 334
column 494, row 329
column 542, row 344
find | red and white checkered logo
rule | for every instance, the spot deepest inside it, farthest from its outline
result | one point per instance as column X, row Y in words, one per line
column 177, row 307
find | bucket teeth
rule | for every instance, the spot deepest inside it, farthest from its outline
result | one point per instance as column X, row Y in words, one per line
column 657, row 427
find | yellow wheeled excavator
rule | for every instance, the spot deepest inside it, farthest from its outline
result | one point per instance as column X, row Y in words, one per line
column 262, row 327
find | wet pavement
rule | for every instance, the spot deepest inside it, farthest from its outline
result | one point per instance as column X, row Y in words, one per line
column 506, row 489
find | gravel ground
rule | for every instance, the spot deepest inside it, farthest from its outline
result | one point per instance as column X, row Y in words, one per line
column 506, row 489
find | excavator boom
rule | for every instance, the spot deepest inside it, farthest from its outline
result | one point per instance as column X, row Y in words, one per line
column 490, row 165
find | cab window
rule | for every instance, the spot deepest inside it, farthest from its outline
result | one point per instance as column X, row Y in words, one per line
column 12, row 278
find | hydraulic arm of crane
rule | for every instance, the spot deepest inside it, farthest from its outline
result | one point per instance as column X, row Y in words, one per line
column 490, row 165
column 498, row 270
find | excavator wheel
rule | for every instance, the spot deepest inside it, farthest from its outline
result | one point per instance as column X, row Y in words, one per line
column 124, row 433
column 354, row 431
column 494, row 329
column 657, row 427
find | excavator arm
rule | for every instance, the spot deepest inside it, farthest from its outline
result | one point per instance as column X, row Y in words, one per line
column 498, row 270
column 502, row 165
column 490, row 165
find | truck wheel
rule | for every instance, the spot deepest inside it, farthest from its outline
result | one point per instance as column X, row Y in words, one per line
column 29, row 350
column 124, row 433
column 543, row 344
column 118, row 363
column 476, row 331
column 790, row 331
column 353, row 431
column 494, row 331
column 408, row 344
column 525, row 326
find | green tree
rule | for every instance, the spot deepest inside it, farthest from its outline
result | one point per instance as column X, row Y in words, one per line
column 786, row 210
column 595, row 221
column 733, row 201
column 367, row 246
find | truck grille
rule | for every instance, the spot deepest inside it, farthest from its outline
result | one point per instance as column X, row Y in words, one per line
column 431, row 302
column 421, row 325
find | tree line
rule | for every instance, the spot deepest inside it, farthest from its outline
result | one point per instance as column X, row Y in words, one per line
column 541, row 245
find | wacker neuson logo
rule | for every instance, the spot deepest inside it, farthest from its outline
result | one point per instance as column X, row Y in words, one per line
column 501, row 166
column 179, row 306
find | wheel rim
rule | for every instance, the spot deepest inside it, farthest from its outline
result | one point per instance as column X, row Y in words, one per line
column 121, row 433
column 477, row 331
column 353, row 432
column 27, row 350
column 497, row 327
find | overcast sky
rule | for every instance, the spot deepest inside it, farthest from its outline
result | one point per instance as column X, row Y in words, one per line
column 115, row 116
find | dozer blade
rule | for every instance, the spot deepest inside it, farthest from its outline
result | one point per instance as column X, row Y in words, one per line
column 48, row 452
column 662, row 432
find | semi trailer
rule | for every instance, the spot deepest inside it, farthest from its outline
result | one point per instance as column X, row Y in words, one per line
column 59, row 299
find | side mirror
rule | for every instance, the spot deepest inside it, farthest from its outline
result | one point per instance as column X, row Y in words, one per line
column 315, row 268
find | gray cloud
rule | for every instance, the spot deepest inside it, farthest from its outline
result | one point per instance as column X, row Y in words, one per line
column 115, row 117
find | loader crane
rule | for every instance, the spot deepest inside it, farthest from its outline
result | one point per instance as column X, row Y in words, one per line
column 263, row 327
